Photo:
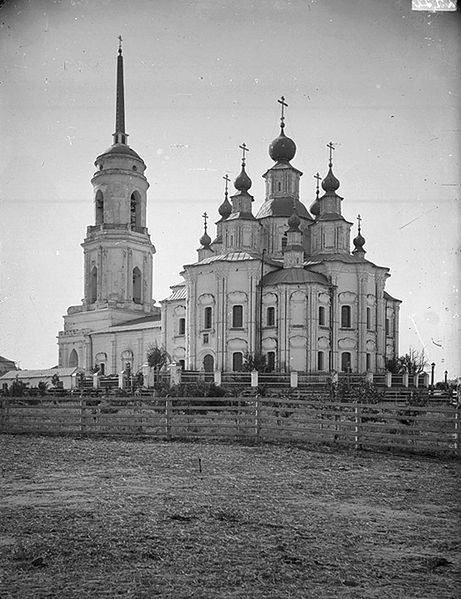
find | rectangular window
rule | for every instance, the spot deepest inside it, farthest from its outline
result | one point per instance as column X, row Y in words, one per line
column 182, row 326
column 270, row 316
column 368, row 318
column 206, row 339
column 237, row 361
column 320, row 361
column 237, row 317
column 208, row 318
column 321, row 319
column 387, row 326
column 368, row 361
column 346, row 317
column 270, row 361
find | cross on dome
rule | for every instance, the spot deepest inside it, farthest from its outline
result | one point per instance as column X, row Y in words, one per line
column 282, row 117
column 244, row 149
column 359, row 220
column 227, row 180
column 319, row 178
column 331, row 148
column 205, row 218
column 120, row 44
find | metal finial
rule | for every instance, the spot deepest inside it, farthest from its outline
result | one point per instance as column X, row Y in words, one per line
column 359, row 220
column 205, row 218
column 119, row 44
column 331, row 148
column 317, row 189
column 227, row 180
column 282, row 116
column 244, row 149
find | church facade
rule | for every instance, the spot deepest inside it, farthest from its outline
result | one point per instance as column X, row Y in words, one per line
column 285, row 283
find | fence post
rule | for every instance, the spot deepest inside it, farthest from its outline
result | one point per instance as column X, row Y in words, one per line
column 217, row 378
column 456, row 428
column 257, row 419
column 388, row 379
column 138, row 411
column 405, row 379
column 4, row 414
column 358, row 424
column 294, row 378
column 83, row 416
column 254, row 378
column 168, row 415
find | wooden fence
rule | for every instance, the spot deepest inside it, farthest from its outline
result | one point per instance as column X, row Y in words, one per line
column 433, row 428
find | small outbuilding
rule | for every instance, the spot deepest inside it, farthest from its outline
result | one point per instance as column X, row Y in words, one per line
column 67, row 376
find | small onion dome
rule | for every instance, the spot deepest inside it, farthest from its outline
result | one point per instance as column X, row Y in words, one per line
column 282, row 149
column 315, row 208
column 205, row 240
column 243, row 181
column 359, row 242
column 225, row 209
column 294, row 222
column 330, row 183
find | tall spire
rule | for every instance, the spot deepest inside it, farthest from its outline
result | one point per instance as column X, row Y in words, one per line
column 120, row 136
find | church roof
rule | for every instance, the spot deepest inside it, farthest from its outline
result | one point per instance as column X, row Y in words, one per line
column 121, row 149
column 39, row 374
column 228, row 257
column 293, row 276
column 178, row 292
column 142, row 320
column 283, row 207
column 347, row 258
column 387, row 296
column 6, row 361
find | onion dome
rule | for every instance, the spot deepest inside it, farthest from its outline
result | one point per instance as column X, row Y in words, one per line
column 315, row 208
column 243, row 181
column 294, row 222
column 330, row 184
column 283, row 148
column 205, row 240
column 225, row 209
column 359, row 241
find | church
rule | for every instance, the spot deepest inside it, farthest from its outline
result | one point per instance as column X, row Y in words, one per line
column 283, row 283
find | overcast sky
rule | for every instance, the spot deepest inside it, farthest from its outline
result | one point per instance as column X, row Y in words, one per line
column 201, row 77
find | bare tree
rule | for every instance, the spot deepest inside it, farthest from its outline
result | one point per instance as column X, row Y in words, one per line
column 414, row 362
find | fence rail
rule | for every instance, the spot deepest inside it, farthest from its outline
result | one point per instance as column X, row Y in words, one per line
column 419, row 429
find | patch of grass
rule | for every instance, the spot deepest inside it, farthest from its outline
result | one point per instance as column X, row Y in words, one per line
column 114, row 518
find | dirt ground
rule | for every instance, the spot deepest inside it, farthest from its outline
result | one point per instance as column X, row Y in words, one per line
column 115, row 518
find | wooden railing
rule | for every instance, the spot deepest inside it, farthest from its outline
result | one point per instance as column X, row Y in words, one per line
column 395, row 425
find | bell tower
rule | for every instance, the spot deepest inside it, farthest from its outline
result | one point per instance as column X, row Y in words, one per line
column 117, row 248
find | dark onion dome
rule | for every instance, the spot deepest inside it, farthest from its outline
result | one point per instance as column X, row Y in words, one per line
column 205, row 240
column 294, row 222
column 282, row 149
column 282, row 207
column 293, row 276
column 359, row 242
column 330, row 184
column 315, row 207
column 225, row 209
column 243, row 181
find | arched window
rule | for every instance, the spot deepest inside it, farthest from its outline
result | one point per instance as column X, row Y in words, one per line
column 135, row 210
column 99, row 208
column 93, row 285
column 270, row 316
column 136, row 285
column 284, row 241
column 73, row 359
column 208, row 316
column 346, row 317
column 237, row 361
column 237, row 317
column 208, row 363
column 346, row 364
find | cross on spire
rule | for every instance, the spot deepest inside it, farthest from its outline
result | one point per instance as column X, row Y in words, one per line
column 244, row 149
column 205, row 218
column 319, row 178
column 227, row 180
column 331, row 148
column 359, row 220
column 282, row 117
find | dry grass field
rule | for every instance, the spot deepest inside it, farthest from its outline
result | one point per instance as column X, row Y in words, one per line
column 93, row 518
